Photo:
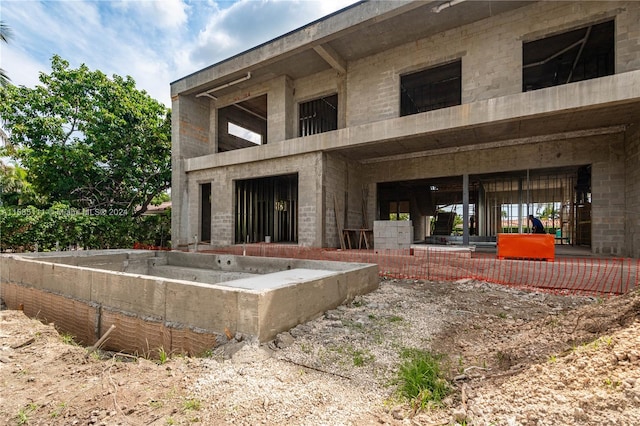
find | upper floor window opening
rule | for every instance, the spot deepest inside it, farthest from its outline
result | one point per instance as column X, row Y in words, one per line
column 576, row 55
column 246, row 134
column 243, row 124
column 318, row 116
column 430, row 89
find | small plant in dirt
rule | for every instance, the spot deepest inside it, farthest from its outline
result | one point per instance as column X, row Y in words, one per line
column 155, row 403
column 192, row 404
column 395, row 318
column 23, row 415
column 68, row 339
column 421, row 378
column 207, row 353
column 611, row 383
column 357, row 303
column 163, row 356
column 58, row 410
column 360, row 358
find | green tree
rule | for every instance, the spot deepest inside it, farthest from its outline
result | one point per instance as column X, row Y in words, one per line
column 5, row 35
column 549, row 211
column 15, row 188
column 88, row 140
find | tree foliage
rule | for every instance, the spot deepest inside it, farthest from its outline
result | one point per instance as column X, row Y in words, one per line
column 88, row 140
column 5, row 35
column 15, row 185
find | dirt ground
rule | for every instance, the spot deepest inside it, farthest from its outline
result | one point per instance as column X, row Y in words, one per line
column 513, row 357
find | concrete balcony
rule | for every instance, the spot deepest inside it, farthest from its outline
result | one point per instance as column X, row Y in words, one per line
column 606, row 104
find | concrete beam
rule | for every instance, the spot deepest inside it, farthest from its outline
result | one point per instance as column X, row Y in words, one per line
column 332, row 57
column 318, row 32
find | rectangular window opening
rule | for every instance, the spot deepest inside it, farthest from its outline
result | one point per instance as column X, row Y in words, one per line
column 318, row 116
column 576, row 55
column 246, row 134
column 431, row 89
column 243, row 124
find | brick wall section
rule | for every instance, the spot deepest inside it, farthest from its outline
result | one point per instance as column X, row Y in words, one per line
column 491, row 52
column 632, row 192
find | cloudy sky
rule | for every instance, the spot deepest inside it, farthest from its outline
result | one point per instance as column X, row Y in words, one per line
column 154, row 41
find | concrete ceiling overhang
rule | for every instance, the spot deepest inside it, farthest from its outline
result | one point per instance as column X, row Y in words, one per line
column 561, row 125
column 603, row 106
column 361, row 30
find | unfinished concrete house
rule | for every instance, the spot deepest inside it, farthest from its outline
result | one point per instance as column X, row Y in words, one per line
column 462, row 116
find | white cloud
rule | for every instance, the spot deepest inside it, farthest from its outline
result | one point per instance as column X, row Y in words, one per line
column 166, row 14
column 248, row 23
column 21, row 68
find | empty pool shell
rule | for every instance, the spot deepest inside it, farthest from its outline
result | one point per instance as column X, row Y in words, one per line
column 180, row 302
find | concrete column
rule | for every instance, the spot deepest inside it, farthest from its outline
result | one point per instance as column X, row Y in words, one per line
column 465, row 209
column 190, row 127
column 280, row 114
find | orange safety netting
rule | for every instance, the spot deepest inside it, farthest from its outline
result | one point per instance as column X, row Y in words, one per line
column 566, row 275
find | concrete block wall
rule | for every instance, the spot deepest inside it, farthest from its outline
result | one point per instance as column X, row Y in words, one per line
column 335, row 177
column 627, row 36
column 279, row 110
column 632, row 192
column 318, row 85
column 341, row 179
column 607, row 208
column 190, row 120
column 392, row 234
column 491, row 53
column 309, row 169
column 190, row 124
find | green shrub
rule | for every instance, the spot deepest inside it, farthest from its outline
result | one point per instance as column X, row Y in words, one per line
column 21, row 228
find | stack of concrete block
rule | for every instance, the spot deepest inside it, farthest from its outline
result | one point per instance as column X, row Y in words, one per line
column 392, row 234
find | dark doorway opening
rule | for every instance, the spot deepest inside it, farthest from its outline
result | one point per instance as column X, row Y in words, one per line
column 267, row 207
column 205, row 212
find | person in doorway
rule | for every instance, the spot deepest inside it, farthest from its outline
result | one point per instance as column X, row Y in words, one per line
column 536, row 225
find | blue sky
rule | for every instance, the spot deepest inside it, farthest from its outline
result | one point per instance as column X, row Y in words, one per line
column 153, row 41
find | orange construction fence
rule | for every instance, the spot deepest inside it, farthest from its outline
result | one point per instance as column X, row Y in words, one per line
column 578, row 275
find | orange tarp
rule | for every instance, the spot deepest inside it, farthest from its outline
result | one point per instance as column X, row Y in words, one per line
column 526, row 246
